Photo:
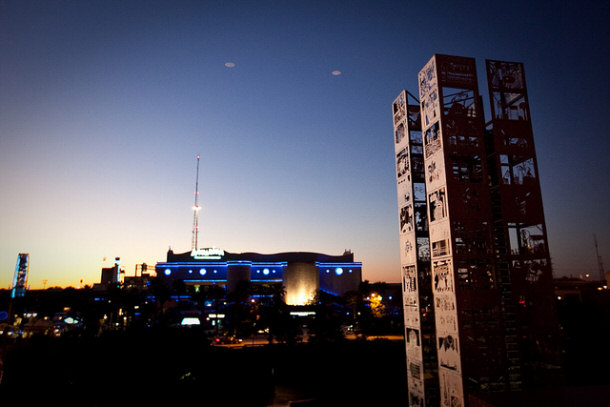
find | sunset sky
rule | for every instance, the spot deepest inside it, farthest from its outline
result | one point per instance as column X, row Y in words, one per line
column 105, row 105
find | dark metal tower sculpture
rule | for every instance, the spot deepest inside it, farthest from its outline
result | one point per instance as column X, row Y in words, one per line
column 418, row 307
column 520, row 229
column 487, row 276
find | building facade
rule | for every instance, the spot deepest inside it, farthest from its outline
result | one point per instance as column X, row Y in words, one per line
column 301, row 274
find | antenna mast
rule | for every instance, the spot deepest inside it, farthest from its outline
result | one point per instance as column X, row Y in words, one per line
column 600, row 263
column 194, row 243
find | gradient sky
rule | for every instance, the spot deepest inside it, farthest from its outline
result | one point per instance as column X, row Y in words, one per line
column 105, row 105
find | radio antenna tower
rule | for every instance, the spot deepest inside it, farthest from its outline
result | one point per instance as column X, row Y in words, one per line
column 600, row 263
column 194, row 244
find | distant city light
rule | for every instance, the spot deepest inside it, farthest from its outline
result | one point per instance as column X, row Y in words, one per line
column 190, row 321
column 229, row 65
column 302, row 313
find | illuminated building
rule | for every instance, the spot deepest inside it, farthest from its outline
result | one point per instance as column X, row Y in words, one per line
column 301, row 274
column 20, row 279
column 491, row 280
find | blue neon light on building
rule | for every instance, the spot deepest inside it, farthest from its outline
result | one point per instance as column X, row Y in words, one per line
column 335, row 274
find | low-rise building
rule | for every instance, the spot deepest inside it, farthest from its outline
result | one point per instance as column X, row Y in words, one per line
column 301, row 274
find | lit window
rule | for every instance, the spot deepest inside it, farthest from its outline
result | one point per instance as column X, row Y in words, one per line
column 167, row 272
column 202, row 272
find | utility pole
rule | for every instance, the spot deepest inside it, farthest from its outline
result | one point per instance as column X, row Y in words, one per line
column 600, row 263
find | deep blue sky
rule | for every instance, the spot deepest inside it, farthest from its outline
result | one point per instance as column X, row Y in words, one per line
column 104, row 106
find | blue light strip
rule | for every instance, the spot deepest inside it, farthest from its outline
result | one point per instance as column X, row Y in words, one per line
column 239, row 263
column 272, row 264
column 225, row 263
column 354, row 265
column 206, row 281
column 193, row 264
column 329, row 292
column 274, row 280
column 180, row 297
column 254, row 264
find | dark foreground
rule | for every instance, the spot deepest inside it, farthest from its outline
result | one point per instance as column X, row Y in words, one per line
column 178, row 367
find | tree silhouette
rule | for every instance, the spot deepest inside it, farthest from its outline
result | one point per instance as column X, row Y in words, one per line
column 162, row 295
column 328, row 321
column 214, row 293
column 238, row 310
